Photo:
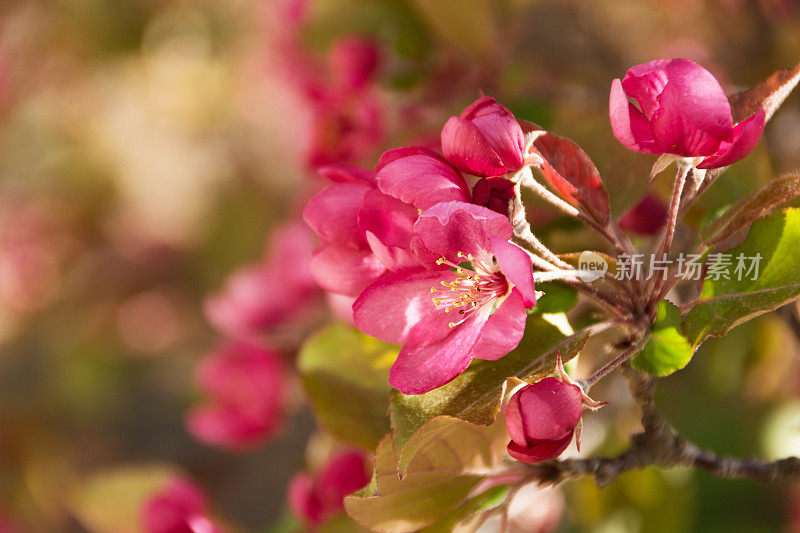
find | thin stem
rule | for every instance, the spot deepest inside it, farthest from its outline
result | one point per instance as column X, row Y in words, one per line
column 665, row 242
column 567, row 275
column 525, row 177
column 628, row 354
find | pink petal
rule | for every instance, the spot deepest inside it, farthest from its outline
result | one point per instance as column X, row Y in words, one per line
column 343, row 474
column 347, row 174
column 500, row 128
column 504, row 329
column 391, row 306
column 686, row 128
column 394, row 258
column 343, row 270
column 517, row 267
column 420, row 368
column 387, row 218
column 644, row 84
column 303, row 500
column 495, row 193
column 630, row 127
column 333, row 214
column 746, row 135
column 468, row 150
column 394, row 154
column 452, row 227
column 422, row 180
column 539, row 452
column 354, row 61
column 226, row 427
column 645, row 218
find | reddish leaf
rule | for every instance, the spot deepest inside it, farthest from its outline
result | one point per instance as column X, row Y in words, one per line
column 767, row 95
column 572, row 174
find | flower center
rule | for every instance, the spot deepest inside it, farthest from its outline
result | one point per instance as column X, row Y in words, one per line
column 475, row 286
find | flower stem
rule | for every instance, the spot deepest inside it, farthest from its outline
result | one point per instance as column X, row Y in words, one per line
column 632, row 351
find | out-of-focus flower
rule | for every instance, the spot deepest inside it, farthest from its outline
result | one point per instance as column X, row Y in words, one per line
column 680, row 109
column 315, row 499
column 541, row 419
column 180, row 508
column 645, row 218
column 485, row 140
column 277, row 291
column 447, row 316
column 245, row 385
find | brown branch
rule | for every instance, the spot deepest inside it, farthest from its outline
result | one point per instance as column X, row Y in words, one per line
column 659, row 445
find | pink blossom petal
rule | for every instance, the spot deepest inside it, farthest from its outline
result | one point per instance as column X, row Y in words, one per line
column 423, row 180
column 541, row 451
column 354, row 61
column 344, row 474
column 387, row 218
column 394, row 258
column 391, row 306
column 495, row 193
column 422, row 368
column 644, row 84
column 347, row 174
column 452, row 227
column 389, row 156
column 465, row 146
column 746, row 135
column 344, row 270
column 630, row 127
column 500, row 128
column 517, row 267
column 645, row 218
column 678, row 126
column 303, row 499
column 333, row 214
column 504, row 329
column 226, row 427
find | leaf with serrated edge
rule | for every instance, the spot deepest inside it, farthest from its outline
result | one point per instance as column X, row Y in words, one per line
column 451, row 445
column 767, row 95
column 724, row 304
column 667, row 350
column 345, row 374
column 476, row 395
column 757, row 205
column 420, row 499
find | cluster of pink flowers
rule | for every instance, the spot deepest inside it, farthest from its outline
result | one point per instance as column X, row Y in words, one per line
column 428, row 264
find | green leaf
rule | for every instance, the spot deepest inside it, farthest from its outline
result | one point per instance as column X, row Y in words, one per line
column 345, row 374
column 456, row 446
column 475, row 395
column 112, row 500
column 667, row 350
column 485, row 501
column 726, row 303
column 757, row 205
column 558, row 298
column 421, row 498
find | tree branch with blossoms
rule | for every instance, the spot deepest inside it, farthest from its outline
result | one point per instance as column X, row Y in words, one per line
column 439, row 256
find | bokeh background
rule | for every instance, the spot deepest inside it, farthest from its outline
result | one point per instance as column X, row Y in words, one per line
column 148, row 148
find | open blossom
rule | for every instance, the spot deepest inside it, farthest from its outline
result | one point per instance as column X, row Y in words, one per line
column 245, row 385
column 315, row 499
column 273, row 293
column 485, row 140
column 541, row 419
column 470, row 305
column 180, row 508
column 679, row 108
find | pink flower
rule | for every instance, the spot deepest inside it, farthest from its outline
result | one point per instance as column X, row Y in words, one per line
column 276, row 292
column 645, row 218
column 447, row 316
column 541, row 419
column 315, row 499
column 485, row 140
column 245, row 385
column 180, row 508
column 680, row 109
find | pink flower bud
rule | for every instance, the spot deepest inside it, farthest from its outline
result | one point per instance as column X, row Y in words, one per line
column 245, row 385
column 485, row 140
column 315, row 499
column 180, row 508
column 679, row 108
column 541, row 419
column 494, row 193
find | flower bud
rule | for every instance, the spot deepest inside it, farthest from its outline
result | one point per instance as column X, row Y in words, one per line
column 541, row 419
